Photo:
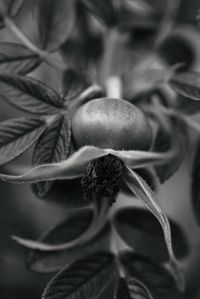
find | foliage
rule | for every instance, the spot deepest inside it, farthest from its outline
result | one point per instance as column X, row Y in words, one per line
column 102, row 52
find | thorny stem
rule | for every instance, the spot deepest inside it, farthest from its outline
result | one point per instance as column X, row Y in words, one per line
column 56, row 64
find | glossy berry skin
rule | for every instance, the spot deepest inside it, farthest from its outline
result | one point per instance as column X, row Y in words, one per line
column 111, row 123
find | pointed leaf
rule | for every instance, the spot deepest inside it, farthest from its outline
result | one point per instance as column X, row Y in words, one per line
column 17, row 135
column 131, row 288
column 141, row 159
column 148, row 175
column 145, row 194
column 71, row 168
column 15, row 58
column 155, row 277
column 73, row 83
column 10, row 8
column 85, row 278
column 56, row 20
column 196, row 184
column 53, row 146
column 142, row 232
column 187, row 85
column 71, row 228
column 29, row 95
column 176, row 137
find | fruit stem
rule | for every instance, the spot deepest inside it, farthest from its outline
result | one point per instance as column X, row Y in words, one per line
column 110, row 44
column 114, row 87
column 56, row 64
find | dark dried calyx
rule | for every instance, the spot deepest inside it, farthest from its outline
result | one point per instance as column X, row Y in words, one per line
column 102, row 178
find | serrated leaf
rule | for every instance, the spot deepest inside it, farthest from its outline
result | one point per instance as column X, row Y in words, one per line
column 178, row 137
column 73, row 83
column 154, row 276
column 142, row 232
column 15, row 58
column 17, row 135
column 131, row 288
column 187, row 85
column 9, row 7
column 85, row 278
column 53, row 146
column 56, row 20
column 71, row 228
column 29, row 95
column 195, row 190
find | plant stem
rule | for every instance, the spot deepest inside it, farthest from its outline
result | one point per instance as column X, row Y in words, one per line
column 110, row 42
column 114, row 87
column 56, row 64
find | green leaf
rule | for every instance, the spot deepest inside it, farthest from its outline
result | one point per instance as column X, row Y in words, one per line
column 154, row 276
column 187, row 85
column 85, row 278
column 145, row 194
column 10, row 8
column 15, row 58
column 131, row 288
column 29, row 95
column 177, row 137
column 142, row 232
column 73, row 83
column 53, row 146
column 75, row 225
column 17, row 135
column 56, row 20
column 195, row 190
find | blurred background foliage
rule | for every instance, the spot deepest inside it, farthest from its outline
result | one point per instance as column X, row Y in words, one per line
column 23, row 214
